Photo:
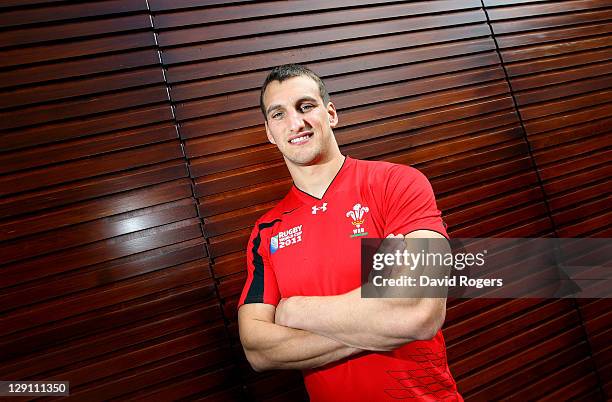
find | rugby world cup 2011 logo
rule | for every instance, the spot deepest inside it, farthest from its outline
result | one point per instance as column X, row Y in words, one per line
column 356, row 214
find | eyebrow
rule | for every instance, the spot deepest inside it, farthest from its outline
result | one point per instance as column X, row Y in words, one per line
column 302, row 99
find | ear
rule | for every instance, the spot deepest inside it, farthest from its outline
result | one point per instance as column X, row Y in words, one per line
column 270, row 138
column 332, row 115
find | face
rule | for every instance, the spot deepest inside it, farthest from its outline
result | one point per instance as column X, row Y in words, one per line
column 298, row 121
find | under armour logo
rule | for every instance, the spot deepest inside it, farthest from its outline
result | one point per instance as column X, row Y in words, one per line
column 322, row 208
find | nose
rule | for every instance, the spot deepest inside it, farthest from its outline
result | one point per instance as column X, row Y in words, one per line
column 296, row 121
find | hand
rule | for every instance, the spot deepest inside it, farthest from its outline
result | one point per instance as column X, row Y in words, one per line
column 281, row 316
column 392, row 236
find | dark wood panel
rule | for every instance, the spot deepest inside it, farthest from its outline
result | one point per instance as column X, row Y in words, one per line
column 235, row 220
column 252, row 80
column 233, row 160
column 361, row 114
column 423, row 128
column 312, row 53
column 202, row 383
column 321, row 35
column 429, row 154
column 355, row 97
column 13, row 3
column 560, row 121
column 105, row 228
column 597, row 162
column 68, row 30
column 160, row 5
column 501, row 222
column 50, row 13
column 224, row 142
column 62, row 90
column 217, row 183
column 55, row 310
column 147, row 356
column 473, row 159
column 585, row 210
column 88, row 106
column 556, row 77
column 236, row 199
column 85, row 126
column 98, row 208
column 551, row 35
column 584, row 130
column 203, row 358
column 60, row 51
column 263, row 9
column 91, row 188
column 77, row 68
column 129, row 159
column 229, row 243
column 566, row 105
column 588, row 227
column 229, row 264
column 555, row 62
column 96, row 321
column 532, row 10
column 190, row 254
column 382, row 65
column 490, row 208
column 577, row 196
column 500, row 316
column 588, row 145
column 485, row 173
column 98, row 252
column 566, row 383
column 528, row 24
column 100, row 344
column 296, row 22
column 548, row 50
column 564, row 90
column 79, row 148
column 545, row 366
column 543, row 335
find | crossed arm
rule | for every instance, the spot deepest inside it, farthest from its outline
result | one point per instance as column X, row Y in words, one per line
column 311, row 331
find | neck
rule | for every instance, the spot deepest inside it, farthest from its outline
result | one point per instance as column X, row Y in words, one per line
column 315, row 179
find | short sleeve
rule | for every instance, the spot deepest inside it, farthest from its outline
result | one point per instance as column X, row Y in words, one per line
column 261, row 285
column 410, row 203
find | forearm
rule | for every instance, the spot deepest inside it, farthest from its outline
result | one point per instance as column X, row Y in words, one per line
column 378, row 323
column 271, row 346
column 369, row 324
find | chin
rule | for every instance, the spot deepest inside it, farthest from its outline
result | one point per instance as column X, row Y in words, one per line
column 304, row 160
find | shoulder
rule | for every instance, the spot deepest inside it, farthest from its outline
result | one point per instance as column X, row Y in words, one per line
column 389, row 173
column 275, row 214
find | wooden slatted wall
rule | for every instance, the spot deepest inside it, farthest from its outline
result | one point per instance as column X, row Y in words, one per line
column 105, row 276
column 558, row 57
column 134, row 149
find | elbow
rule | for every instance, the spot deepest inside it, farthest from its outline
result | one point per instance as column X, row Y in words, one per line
column 425, row 323
column 431, row 322
column 426, row 332
column 257, row 362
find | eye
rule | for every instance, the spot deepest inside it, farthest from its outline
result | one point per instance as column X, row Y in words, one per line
column 277, row 115
column 306, row 107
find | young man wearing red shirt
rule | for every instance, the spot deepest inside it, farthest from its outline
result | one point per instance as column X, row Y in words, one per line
column 301, row 307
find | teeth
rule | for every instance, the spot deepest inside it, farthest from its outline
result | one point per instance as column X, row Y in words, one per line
column 300, row 139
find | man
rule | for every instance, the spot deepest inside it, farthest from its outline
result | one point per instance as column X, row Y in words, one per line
column 301, row 306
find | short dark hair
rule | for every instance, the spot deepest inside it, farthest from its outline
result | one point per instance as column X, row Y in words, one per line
column 286, row 71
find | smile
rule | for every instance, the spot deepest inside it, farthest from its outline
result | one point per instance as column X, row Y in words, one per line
column 300, row 140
